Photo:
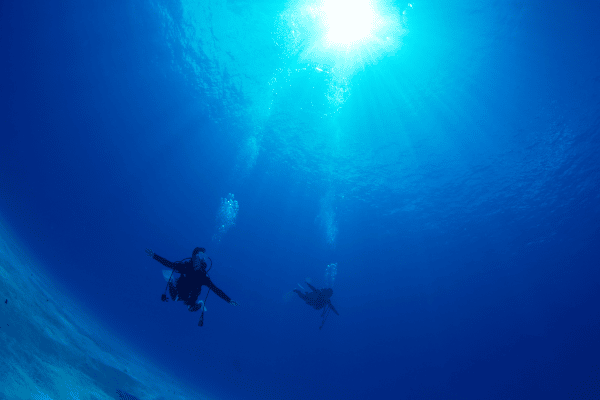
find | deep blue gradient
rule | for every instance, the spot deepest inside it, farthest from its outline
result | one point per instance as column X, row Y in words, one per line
column 461, row 176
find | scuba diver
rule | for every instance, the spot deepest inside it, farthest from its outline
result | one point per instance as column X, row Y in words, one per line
column 318, row 299
column 186, row 285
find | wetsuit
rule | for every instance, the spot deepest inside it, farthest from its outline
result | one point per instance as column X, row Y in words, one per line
column 189, row 284
column 318, row 298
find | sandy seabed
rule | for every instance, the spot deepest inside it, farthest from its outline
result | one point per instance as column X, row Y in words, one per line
column 50, row 350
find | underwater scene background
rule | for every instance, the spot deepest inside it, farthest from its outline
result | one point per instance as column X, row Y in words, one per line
column 434, row 163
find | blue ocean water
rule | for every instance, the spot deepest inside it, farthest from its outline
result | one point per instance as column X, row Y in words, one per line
column 447, row 166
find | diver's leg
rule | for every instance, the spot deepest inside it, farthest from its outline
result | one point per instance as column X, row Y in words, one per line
column 325, row 315
column 193, row 301
column 333, row 309
column 325, row 310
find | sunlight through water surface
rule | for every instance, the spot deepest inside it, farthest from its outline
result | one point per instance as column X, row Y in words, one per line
column 348, row 22
column 342, row 35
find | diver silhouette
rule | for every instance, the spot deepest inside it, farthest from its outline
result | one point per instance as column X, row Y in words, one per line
column 318, row 299
column 192, row 274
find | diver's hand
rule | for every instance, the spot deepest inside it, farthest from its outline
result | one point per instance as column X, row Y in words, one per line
column 150, row 253
column 233, row 303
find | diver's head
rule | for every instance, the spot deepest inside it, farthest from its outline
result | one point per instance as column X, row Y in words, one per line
column 198, row 258
column 198, row 250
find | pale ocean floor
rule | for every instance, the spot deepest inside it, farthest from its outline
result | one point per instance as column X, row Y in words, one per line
column 50, row 350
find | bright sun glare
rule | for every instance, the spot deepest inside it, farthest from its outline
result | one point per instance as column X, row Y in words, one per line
column 347, row 21
column 343, row 35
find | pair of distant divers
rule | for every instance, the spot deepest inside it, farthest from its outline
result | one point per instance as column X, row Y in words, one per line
column 187, row 277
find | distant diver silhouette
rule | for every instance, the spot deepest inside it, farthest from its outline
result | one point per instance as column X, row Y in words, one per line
column 125, row 396
column 192, row 274
column 318, row 299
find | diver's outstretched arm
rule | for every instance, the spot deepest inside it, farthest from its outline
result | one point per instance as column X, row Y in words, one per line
column 167, row 263
column 314, row 289
column 221, row 294
column 299, row 293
